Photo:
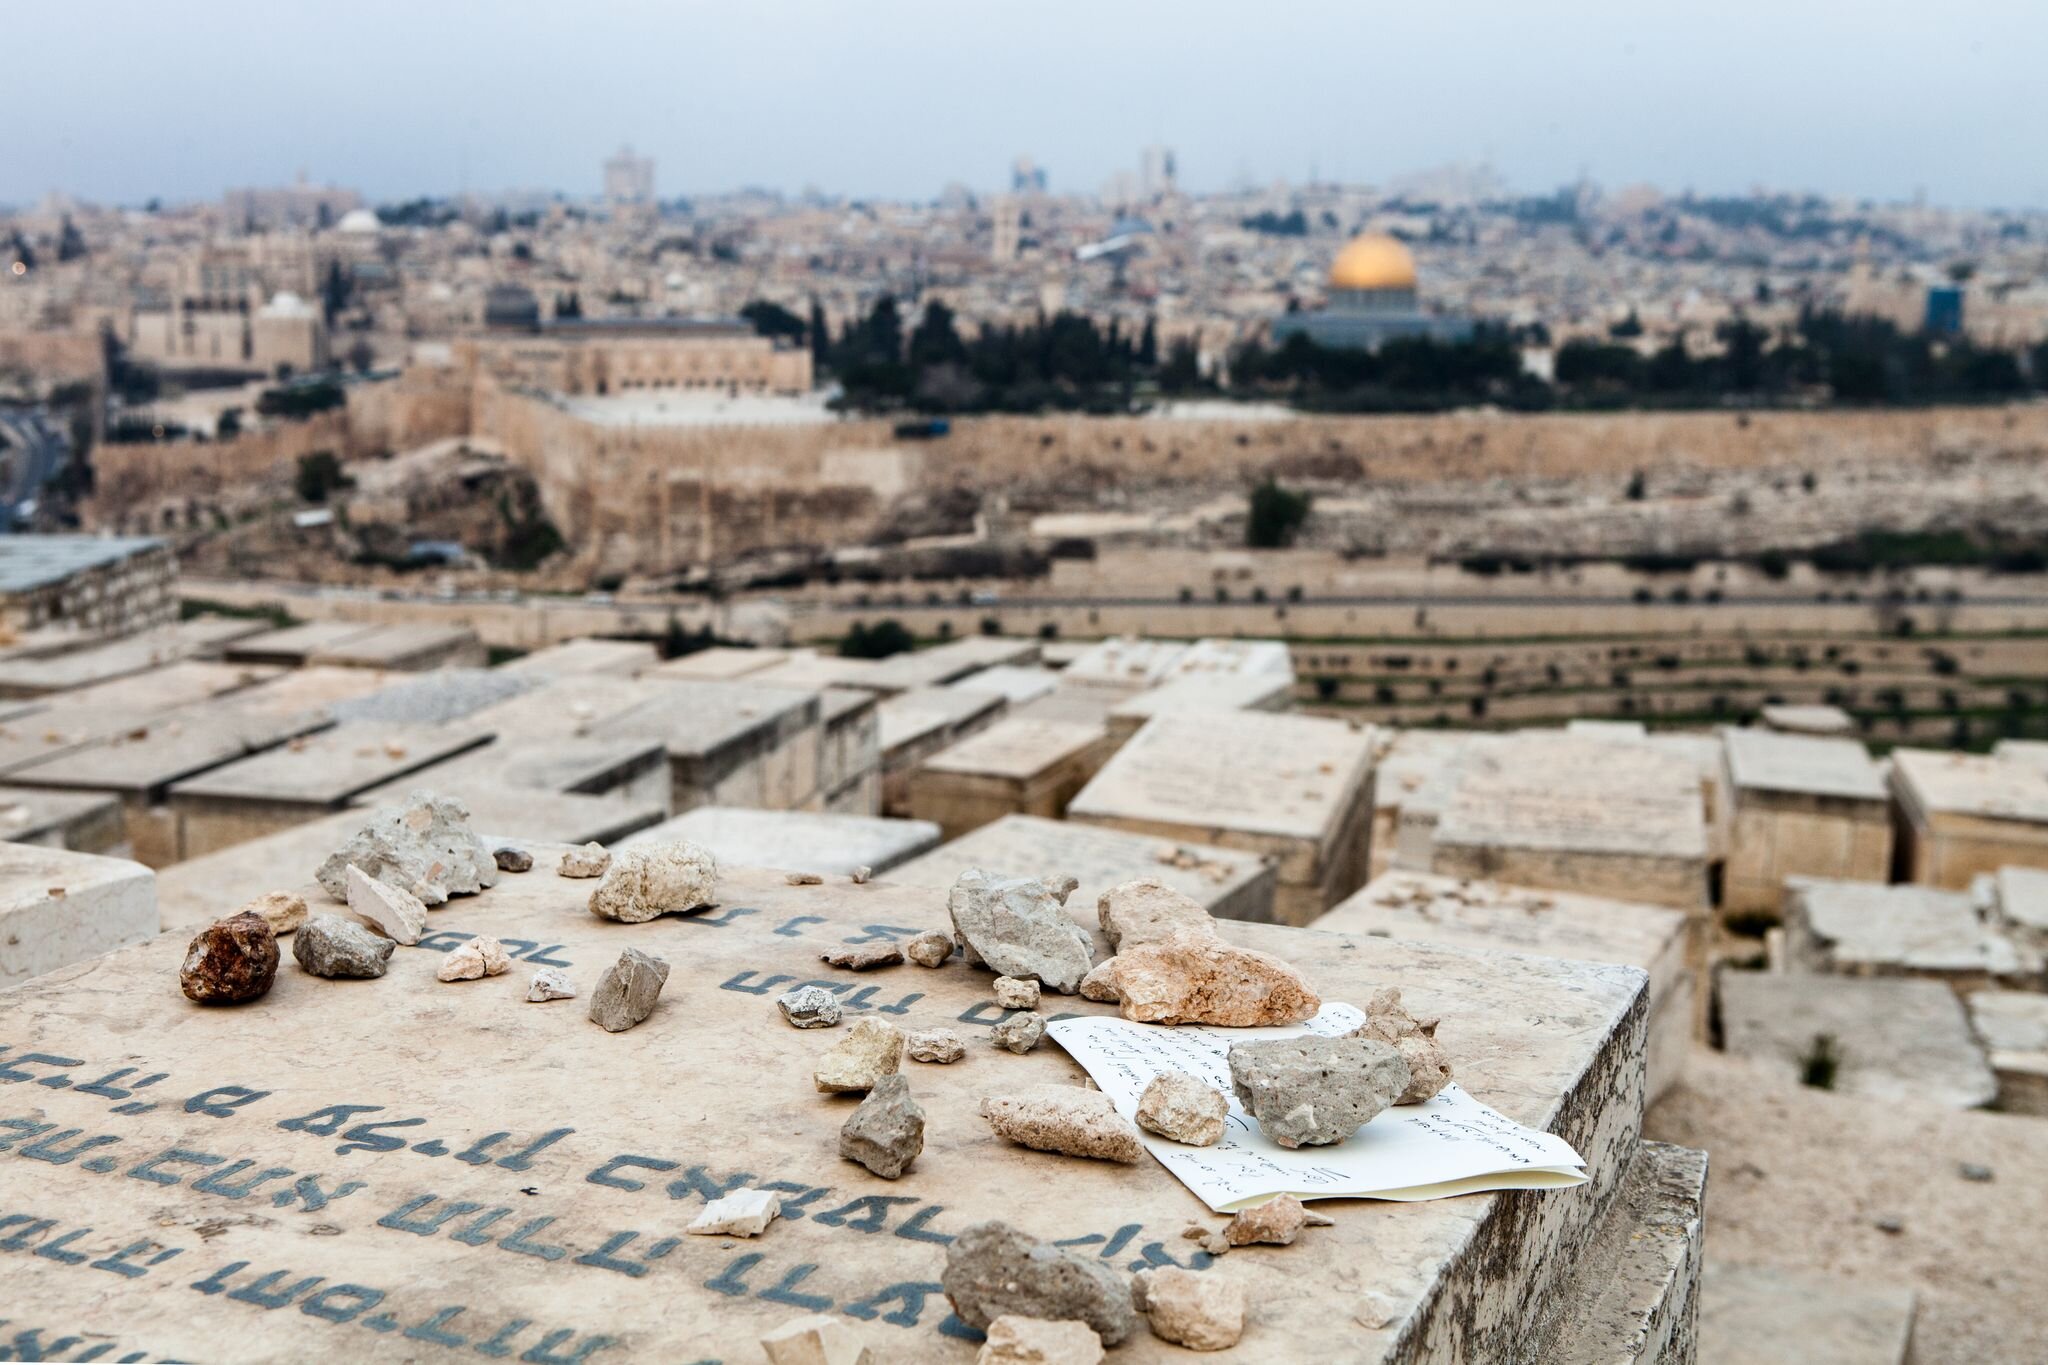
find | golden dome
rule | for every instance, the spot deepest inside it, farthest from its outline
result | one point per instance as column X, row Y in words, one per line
column 1373, row 261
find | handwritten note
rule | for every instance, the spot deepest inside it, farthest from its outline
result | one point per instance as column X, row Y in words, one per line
column 1451, row 1145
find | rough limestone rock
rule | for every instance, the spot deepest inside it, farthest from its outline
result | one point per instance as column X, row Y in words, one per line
column 1178, row 1106
column 870, row 1050
column 930, row 948
column 424, row 846
column 1017, row 992
column 627, row 991
column 818, row 1339
column 511, row 859
column 1190, row 978
column 864, row 958
column 1019, row 1033
column 392, row 911
column 940, row 1045
column 1274, row 1223
column 1145, row 910
column 1019, row 928
column 1387, row 1020
column 1064, row 1119
column 803, row 879
column 591, row 860
column 1061, row 885
column 480, row 957
column 993, row 1270
column 230, row 960
column 1309, row 1091
column 1014, row 1340
column 809, row 1007
column 887, row 1132
column 341, row 950
column 550, row 983
column 1100, row 984
column 1203, row 1312
column 644, row 883
column 281, row 910
column 743, row 1213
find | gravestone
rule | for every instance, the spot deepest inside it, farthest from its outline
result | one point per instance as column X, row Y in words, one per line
column 1961, row 815
column 84, row 821
column 1889, row 1039
column 58, row 907
column 1864, row 929
column 1016, row 766
column 1805, row 806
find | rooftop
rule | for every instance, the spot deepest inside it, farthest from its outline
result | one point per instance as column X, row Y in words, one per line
column 30, row 562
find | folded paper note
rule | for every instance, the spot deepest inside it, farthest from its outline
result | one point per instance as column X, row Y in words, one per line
column 1450, row 1145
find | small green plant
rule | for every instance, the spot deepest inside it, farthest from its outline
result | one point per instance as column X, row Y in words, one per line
column 879, row 641
column 1821, row 1062
column 1277, row 515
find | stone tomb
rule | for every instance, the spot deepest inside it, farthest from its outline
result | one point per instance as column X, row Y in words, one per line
column 1805, row 806
column 1863, row 929
column 631, row 770
column 578, row 658
column 146, row 650
column 1203, row 692
column 1892, row 1039
column 850, row 757
column 84, row 822
column 1412, row 779
column 2020, row 896
column 58, row 907
column 407, row 646
column 1125, row 662
column 720, row 663
column 407, row 1170
column 1963, row 814
column 1295, row 788
column 1231, row 884
column 291, row 646
column 2014, row 1028
column 1017, row 766
column 946, row 663
column 796, row 841
column 912, row 726
column 730, row 743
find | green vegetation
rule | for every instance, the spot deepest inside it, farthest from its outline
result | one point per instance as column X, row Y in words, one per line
column 320, row 475
column 191, row 607
column 301, row 400
column 1276, row 516
column 884, row 638
column 529, row 536
column 1821, row 1062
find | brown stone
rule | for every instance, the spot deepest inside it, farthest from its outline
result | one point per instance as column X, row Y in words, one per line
column 230, row 961
column 1064, row 1119
column 1016, row 992
column 1144, row 910
column 1276, row 1223
column 1203, row 1312
column 930, row 948
column 1190, row 978
column 1388, row 1021
column 1100, row 984
column 281, row 910
column 864, row 958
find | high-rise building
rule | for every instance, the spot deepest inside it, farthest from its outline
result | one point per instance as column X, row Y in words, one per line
column 628, row 181
column 1156, row 172
column 1027, row 176
column 1007, row 225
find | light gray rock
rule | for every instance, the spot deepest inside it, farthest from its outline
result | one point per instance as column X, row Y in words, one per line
column 1019, row 928
column 424, row 846
column 1065, row 1119
column 1309, row 1091
column 1020, row 1032
column 643, row 883
column 330, row 946
column 887, row 1132
column 1178, row 1106
column 937, row 1045
column 809, row 1007
column 1387, row 1020
column 591, row 860
column 386, row 909
column 1100, row 984
column 992, row 1270
column 627, row 991
column 743, row 1213
column 1016, row 992
column 930, row 948
column 550, row 983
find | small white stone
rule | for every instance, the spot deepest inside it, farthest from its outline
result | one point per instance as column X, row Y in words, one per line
column 392, row 911
column 591, row 860
column 482, row 956
column 550, row 983
column 743, row 1213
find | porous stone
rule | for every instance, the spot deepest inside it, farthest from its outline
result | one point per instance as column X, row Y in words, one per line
column 1274, row 1223
column 870, row 1050
column 591, row 860
column 815, row 1340
column 654, row 879
column 993, row 1271
column 424, row 846
column 390, row 910
column 341, row 949
column 1064, row 1119
column 550, row 983
column 627, row 991
column 1019, row 928
column 860, row 875
column 1017, row 992
column 1195, row 978
column 809, row 1007
column 887, row 1132
column 1145, row 909
column 1388, row 1021
column 743, row 1213
column 1014, row 1340
column 1203, row 1312
column 939, row 1045
column 474, row 960
column 281, row 910
column 1061, row 885
column 866, row 957
column 930, row 948
column 1178, row 1106
column 1019, row 1033
column 804, row 879
column 511, row 859
column 1309, row 1091
column 230, row 960
column 1100, row 983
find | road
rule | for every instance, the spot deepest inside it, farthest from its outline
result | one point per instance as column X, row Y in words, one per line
column 36, row 449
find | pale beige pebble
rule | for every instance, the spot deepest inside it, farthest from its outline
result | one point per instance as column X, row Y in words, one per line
column 281, row 910
column 1062, row 886
column 867, row 1052
column 1100, row 984
column 930, row 948
column 1203, row 1312
column 804, row 879
column 550, row 983
column 1276, row 1222
column 1017, row 992
column 1145, row 909
column 1192, row 978
column 818, row 1339
column 1064, row 1119
column 1019, row 1033
column 1388, row 1021
column 1014, row 1340
column 591, row 860
column 480, row 957
column 645, row 883
column 937, row 1045
column 860, row 875
column 743, row 1213
column 389, row 910
column 1178, row 1106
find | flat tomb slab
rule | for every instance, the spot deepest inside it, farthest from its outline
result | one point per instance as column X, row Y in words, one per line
column 1125, row 662
column 82, row 821
column 574, row 658
column 946, row 663
column 1862, row 929
column 720, row 663
column 123, row 657
column 1016, row 766
column 294, row 645
column 1805, row 765
column 2014, row 1028
column 1893, row 1039
column 796, row 841
column 421, row 1165
column 405, row 645
column 58, row 907
column 436, row 696
column 1962, row 815
column 1764, row 1315
column 1204, row 692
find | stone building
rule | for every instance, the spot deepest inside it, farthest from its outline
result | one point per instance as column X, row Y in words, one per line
column 1372, row 300
column 104, row 585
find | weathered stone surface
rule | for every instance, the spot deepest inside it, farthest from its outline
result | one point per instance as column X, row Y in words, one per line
column 1019, row 1033
column 1061, row 885
column 993, row 1270
column 425, row 846
column 230, row 961
column 474, row 960
column 1100, row 984
column 1388, row 1021
column 511, row 859
column 939, row 1045
column 654, row 879
column 1178, row 1106
column 809, row 1007
column 743, row 1213
column 1145, row 909
column 866, row 957
column 803, row 879
column 1064, row 1119
column 281, row 910
column 341, row 949
column 930, row 948
column 1018, row 927
column 591, row 860
column 816, row 1340
column 1309, row 1091
column 860, row 875
column 870, row 1050
column 1274, row 1223
column 550, row 983
column 887, row 1132
column 1193, row 978
column 386, row 909
column 1014, row 1340
column 1203, row 1312
column 1017, row 992
column 627, row 991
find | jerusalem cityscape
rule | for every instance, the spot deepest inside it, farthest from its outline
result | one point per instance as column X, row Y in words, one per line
column 841, row 687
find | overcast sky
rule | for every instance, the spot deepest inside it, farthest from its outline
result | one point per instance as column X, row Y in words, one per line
column 124, row 99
